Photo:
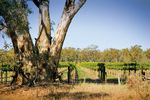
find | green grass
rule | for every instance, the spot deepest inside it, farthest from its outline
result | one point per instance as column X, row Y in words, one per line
column 81, row 73
column 65, row 74
column 111, row 77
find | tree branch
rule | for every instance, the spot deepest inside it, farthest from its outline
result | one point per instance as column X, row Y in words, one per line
column 70, row 10
column 78, row 6
column 36, row 2
column 3, row 28
column 69, row 3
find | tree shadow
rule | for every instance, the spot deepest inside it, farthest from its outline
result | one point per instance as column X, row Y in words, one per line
column 112, row 81
column 74, row 96
column 88, row 80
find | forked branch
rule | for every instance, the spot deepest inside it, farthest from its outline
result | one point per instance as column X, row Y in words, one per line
column 70, row 10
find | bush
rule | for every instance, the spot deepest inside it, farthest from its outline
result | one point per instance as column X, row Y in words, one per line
column 139, row 85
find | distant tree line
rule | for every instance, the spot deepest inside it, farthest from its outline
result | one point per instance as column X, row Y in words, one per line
column 92, row 54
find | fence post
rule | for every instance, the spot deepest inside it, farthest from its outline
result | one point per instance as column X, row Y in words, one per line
column 135, row 68
column 1, row 76
column 68, row 74
column 2, row 73
column 141, row 70
column 6, row 76
column 101, row 74
column 104, row 73
column 118, row 78
column 145, row 72
column 105, row 77
column 129, row 71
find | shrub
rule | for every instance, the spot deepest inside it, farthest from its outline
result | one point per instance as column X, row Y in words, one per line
column 139, row 85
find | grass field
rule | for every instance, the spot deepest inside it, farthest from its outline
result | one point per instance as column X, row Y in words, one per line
column 81, row 91
column 88, row 88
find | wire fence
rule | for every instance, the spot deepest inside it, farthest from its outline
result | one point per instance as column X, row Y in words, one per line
column 6, row 77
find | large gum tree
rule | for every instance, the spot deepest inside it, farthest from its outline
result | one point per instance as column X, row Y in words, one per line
column 43, row 57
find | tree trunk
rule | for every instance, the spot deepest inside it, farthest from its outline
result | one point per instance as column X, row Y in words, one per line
column 45, row 55
column 44, row 35
column 43, row 42
column 24, row 49
column 70, row 10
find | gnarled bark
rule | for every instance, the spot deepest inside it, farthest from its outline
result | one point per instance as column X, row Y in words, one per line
column 43, row 42
column 24, row 49
column 45, row 54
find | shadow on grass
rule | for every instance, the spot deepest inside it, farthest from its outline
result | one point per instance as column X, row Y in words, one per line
column 74, row 96
column 113, row 81
column 88, row 80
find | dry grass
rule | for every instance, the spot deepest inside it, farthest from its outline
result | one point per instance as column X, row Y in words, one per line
column 82, row 91
column 139, row 85
column 62, row 69
column 114, row 92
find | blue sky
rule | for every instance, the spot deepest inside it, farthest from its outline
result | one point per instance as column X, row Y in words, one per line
column 107, row 23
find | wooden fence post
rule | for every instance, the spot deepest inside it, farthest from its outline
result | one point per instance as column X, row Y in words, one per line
column 118, row 78
column 68, row 74
column 104, row 73
column 135, row 68
column 129, row 71
column 105, row 77
column 2, row 73
column 145, row 72
column 101, row 74
column 141, row 70
column 1, row 76
column 6, row 77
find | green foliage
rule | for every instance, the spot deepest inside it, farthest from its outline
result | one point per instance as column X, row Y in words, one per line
column 147, row 53
column 117, row 66
column 135, row 53
column 63, row 64
column 91, row 65
column 7, row 60
column 92, row 54
column 69, row 55
column 66, row 64
column 14, row 15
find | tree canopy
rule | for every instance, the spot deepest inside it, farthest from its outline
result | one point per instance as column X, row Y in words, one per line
column 92, row 54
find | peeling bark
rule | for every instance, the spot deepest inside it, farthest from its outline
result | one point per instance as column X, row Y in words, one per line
column 44, row 35
column 69, row 12
column 31, row 56
column 44, row 39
